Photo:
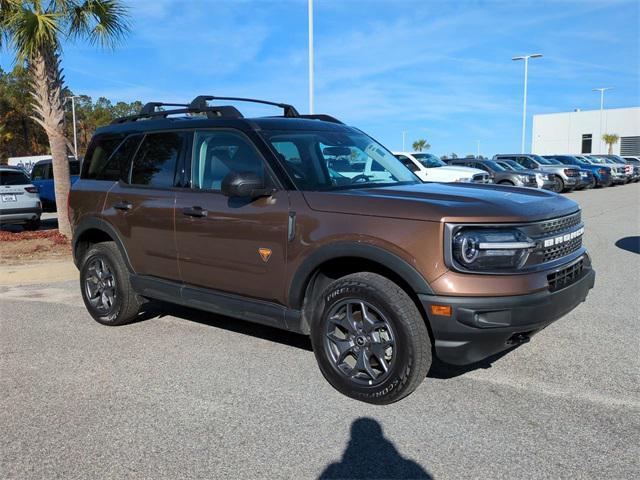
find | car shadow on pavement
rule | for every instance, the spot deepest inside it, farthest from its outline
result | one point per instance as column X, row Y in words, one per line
column 158, row 309
column 630, row 244
column 443, row 371
column 370, row 455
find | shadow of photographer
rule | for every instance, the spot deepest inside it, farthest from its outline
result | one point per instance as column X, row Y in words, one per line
column 370, row 455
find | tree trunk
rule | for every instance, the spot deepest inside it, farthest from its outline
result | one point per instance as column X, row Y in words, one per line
column 47, row 84
column 611, row 149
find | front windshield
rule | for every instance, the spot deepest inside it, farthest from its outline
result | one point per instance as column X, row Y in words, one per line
column 513, row 165
column 581, row 160
column 320, row 160
column 553, row 161
column 598, row 160
column 429, row 160
column 542, row 160
column 494, row 166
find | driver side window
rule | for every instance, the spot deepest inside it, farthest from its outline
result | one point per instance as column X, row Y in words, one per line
column 217, row 154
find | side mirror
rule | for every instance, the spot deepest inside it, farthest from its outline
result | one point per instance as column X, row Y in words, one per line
column 244, row 185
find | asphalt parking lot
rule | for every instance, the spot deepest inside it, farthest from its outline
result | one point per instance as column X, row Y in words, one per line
column 188, row 394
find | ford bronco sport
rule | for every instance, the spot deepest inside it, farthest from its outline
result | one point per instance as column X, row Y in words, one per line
column 256, row 219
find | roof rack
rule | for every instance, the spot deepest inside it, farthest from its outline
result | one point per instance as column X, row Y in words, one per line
column 200, row 105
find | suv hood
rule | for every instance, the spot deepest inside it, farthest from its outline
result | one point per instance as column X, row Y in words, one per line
column 467, row 171
column 557, row 168
column 440, row 202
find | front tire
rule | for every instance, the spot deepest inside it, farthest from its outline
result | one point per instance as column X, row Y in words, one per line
column 558, row 184
column 369, row 339
column 105, row 286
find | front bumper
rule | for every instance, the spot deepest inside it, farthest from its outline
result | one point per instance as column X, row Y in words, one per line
column 483, row 326
column 603, row 180
column 571, row 181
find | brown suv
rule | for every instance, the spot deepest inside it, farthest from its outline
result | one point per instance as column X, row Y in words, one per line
column 303, row 223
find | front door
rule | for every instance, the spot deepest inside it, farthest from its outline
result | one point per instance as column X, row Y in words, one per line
column 230, row 244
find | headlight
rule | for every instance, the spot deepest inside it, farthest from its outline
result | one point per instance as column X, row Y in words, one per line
column 484, row 249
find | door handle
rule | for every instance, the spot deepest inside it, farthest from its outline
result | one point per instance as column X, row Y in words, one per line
column 123, row 205
column 194, row 212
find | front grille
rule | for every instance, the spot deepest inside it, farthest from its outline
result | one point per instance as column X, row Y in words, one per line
column 559, row 251
column 562, row 223
column 480, row 178
column 566, row 276
column 572, row 173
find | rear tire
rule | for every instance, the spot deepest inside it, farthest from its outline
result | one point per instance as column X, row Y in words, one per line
column 507, row 183
column 369, row 339
column 105, row 286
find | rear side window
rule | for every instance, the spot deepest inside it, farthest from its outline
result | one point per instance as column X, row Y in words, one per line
column 156, row 160
column 117, row 167
column 13, row 178
column 98, row 155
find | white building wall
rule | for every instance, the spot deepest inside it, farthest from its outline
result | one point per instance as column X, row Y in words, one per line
column 558, row 133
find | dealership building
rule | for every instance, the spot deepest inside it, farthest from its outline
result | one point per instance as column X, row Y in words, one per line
column 581, row 131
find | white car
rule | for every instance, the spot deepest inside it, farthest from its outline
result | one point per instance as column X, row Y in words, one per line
column 19, row 199
column 429, row 168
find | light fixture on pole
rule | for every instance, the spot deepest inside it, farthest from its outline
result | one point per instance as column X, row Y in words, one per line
column 311, row 100
column 601, row 90
column 524, row 106
column 75, row 134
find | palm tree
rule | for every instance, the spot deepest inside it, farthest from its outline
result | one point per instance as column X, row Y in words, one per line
column 420, row 145
column 34, row 30
column 610, row 139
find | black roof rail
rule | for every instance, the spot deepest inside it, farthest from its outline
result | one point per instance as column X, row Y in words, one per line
column 150, row 107
column 199, row 105
column 323, row 117
column 200, row 102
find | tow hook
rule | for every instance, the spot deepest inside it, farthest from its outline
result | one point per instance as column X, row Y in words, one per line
column 519, row 339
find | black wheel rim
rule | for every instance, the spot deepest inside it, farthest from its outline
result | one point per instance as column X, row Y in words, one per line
column 100, row 285
column 360, row 342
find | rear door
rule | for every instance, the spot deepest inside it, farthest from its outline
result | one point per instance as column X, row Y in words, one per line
column 231, row 244
column 141, row 208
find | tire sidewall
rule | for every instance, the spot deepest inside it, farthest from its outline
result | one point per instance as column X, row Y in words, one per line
column 112, row 316
column 403, row 360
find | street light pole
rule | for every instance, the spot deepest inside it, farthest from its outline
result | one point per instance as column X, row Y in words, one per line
column 311, row 99
column 75, row 134
column 404, row 138
column 524, row 105
column 601, row 90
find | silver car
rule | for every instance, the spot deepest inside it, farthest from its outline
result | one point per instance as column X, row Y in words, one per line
column 19, row 199
column 565, row 178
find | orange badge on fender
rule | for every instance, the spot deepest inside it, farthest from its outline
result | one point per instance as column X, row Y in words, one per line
column 265, row 254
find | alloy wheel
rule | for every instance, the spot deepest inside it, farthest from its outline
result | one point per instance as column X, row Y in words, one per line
column 100, row 285
column 360, row 341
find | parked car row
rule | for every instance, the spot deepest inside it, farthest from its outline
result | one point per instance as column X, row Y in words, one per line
column 558, row 173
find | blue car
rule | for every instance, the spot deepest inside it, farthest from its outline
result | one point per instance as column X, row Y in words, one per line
column 42, row 177
column 601, row 174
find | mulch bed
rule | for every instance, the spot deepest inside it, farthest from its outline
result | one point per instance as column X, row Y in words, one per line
column 17, row 248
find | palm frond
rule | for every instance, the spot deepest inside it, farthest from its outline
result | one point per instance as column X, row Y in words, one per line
column 32, row 31
column 103, row 22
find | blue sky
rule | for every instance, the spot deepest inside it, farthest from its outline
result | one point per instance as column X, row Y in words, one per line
column 438, row 70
